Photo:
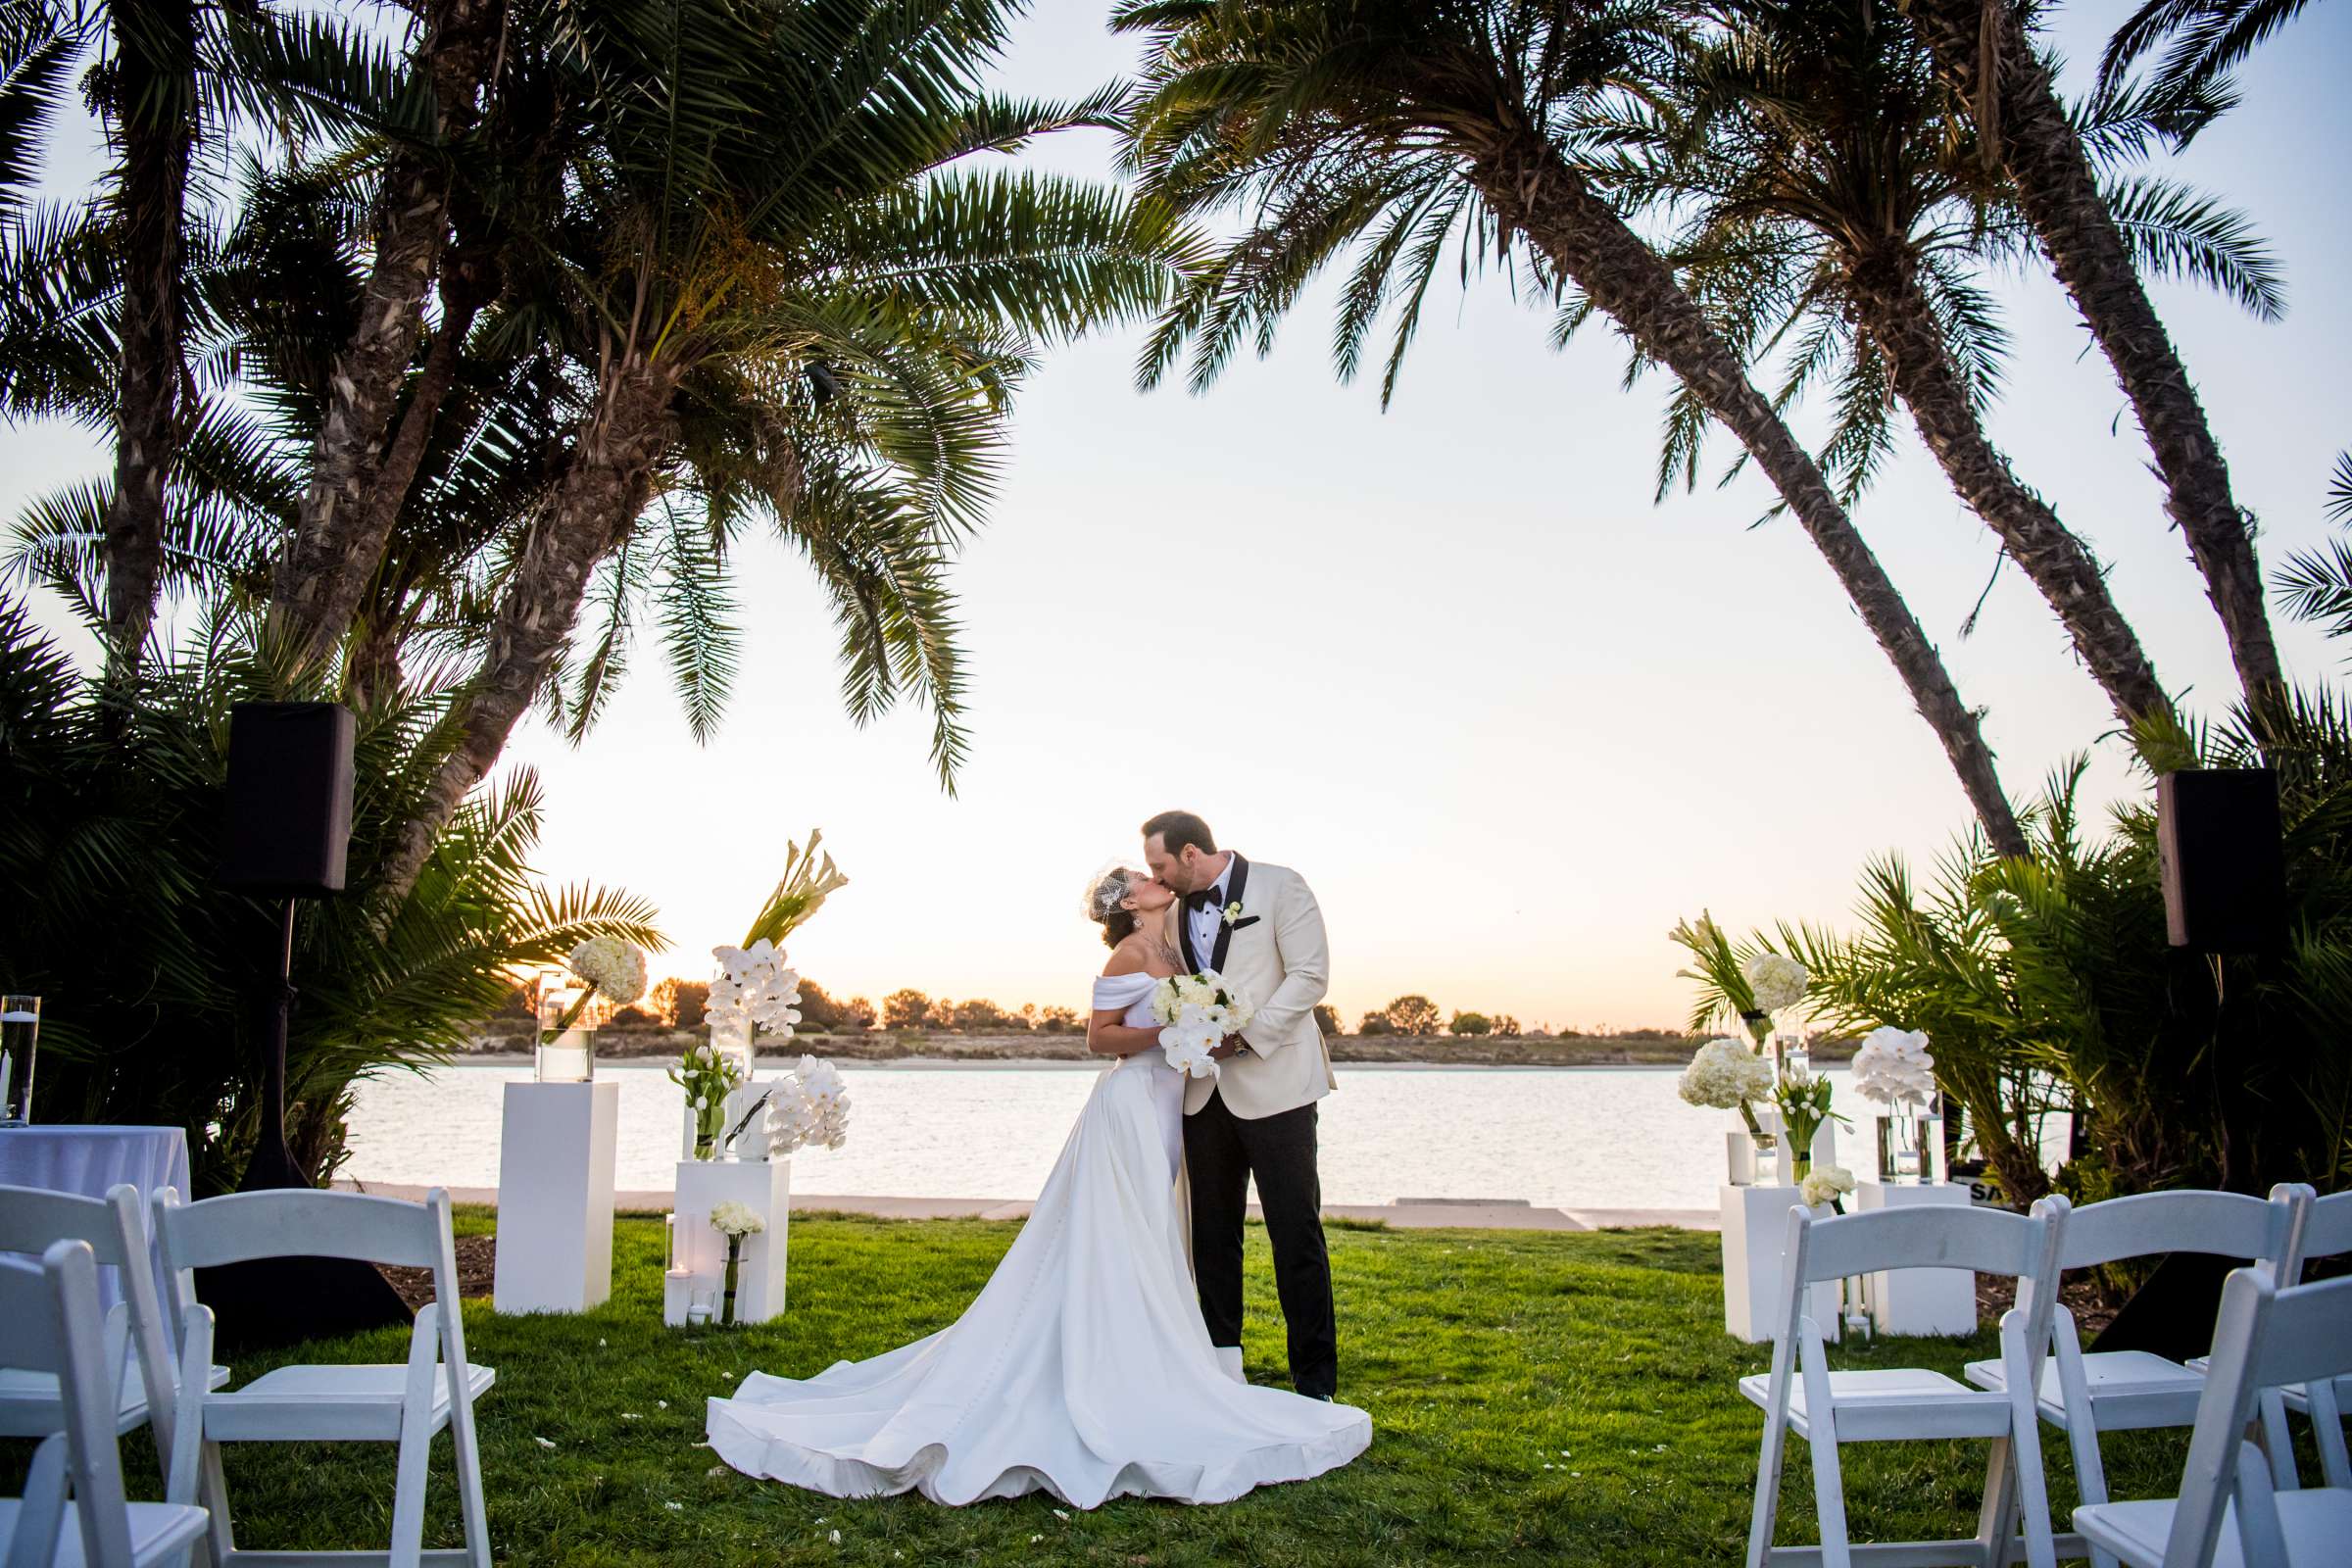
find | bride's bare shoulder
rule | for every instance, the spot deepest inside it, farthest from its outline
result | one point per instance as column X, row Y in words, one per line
column 1140, row 954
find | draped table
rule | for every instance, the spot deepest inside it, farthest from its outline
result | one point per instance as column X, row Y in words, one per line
column 66, row 1157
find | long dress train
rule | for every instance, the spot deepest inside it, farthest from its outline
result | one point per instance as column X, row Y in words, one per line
column 1082, row 1369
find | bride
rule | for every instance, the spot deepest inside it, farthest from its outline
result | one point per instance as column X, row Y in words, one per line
column 1083, row 1369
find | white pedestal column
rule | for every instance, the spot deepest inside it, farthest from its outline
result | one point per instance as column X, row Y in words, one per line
column 555, row 1197
column 1918, row 1301
column 765, row 1187
column 1755, row 1231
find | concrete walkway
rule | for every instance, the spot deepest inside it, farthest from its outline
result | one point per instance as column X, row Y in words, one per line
column 1406, row 1213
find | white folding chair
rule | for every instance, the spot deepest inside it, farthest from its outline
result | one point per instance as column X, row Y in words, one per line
column 2324, row 1231
column 2085, row 1393
column 2227, row 1512
column 54, row 1328
column 404, row 1404
column 114, row 1229
column 1801, row 1394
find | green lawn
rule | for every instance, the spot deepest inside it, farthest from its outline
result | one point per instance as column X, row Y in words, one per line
column 1535, row 1397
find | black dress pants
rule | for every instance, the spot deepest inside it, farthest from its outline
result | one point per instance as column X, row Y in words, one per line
column 1221, row 1152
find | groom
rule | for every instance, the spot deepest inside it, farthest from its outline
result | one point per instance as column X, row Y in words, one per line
column 1257, row 926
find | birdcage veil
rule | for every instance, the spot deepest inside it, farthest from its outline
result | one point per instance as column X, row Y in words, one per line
column 1106, row 889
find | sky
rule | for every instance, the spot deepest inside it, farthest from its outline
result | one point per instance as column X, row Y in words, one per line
column 1510, row 719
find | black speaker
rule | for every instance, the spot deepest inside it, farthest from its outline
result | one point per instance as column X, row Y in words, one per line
column 2224, row 870
column 289, row 799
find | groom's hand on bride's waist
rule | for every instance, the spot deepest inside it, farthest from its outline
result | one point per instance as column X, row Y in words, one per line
column 1230, row 1046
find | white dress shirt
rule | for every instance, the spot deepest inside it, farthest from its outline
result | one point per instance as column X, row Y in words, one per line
column 1206, row 922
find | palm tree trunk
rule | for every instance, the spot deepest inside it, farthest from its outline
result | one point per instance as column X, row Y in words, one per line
column 1897, row 315
column 603, row 489
column 349, row 508
column 1532, row 190
column 154, row 97
column 2060, row 195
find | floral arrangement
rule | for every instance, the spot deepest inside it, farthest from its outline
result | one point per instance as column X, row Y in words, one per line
column 1766, row 982
column 1803, row 1099
column 815, row 1114
column 608, row 967
column 734, row 1221
column 1726, row 1075
column 1895, row 1066
column 753, row 990
column 1775, row 981
column 707, row 1075
column 1825, row 1184
column 1198, row 1012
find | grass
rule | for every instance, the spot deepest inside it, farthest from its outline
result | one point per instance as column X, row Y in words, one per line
column 1535, row 1398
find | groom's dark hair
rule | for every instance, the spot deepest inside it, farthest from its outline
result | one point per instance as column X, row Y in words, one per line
column 1176, row 829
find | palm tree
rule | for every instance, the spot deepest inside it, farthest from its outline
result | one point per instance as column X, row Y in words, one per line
column 1983, row 48
column 768, row 275
column 1839, row 202
column 1393, row 123
column 2209, row 39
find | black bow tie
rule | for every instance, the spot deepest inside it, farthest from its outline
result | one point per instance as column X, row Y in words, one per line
column 1205, row 899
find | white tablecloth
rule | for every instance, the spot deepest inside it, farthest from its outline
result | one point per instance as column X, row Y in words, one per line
column 89, row 1160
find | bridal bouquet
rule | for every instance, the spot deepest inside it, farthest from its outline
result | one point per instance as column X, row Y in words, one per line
column 1198, row 1012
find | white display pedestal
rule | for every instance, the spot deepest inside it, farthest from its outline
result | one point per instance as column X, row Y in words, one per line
column 1918, row 1301
column 1755, row 1231
column 555, row 1197
column 765, row 1187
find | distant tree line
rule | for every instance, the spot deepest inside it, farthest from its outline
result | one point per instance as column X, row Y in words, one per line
column 675, row 1003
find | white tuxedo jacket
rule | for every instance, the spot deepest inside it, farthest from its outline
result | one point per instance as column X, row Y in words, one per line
column 1276, row 954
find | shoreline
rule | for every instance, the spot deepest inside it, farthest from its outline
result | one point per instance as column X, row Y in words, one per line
column 1025, row 1052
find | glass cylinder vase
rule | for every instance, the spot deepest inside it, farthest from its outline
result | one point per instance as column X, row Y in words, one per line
column 20, row 1034
column 566, row 1053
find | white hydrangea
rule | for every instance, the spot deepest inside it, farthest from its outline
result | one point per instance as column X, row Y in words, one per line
column 615, row 969
column 753, row 990
column 1776, row 981
column 1724, row 1074
column 1825, row 1183
column 730, row 1218
column 1894, row 1066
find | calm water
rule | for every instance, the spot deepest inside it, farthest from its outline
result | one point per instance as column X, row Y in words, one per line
column 1570, row 1138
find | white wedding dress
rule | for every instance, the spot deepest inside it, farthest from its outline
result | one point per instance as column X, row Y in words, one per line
column 1083, row 1368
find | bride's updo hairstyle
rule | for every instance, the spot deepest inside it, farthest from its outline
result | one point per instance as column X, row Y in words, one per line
column 1104, row 896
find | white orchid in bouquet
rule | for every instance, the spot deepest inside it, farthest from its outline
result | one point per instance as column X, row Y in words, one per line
column 606, row 968
column 1893, row 1066
column 809, row 1110
column 1726, row 1075
column 753, row 990
column 1198, row 1011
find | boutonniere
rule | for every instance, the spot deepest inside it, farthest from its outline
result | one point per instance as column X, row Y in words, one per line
column 1232, row 916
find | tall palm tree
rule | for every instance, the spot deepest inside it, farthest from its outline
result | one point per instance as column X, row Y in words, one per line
column 1983, row 48
column 768, row 269
column 1391, row 123
column 1837, row 200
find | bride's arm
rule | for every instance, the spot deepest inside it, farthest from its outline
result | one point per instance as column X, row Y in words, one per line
column 1107, row 1036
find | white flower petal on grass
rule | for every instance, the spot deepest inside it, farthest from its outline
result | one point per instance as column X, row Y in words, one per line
column 676, row 1507
column 542, row 1442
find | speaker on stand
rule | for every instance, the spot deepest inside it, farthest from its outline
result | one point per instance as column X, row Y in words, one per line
column 2221, row 850
column 288, row 835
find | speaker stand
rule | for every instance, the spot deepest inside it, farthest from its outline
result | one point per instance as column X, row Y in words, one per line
column 272, row 1302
